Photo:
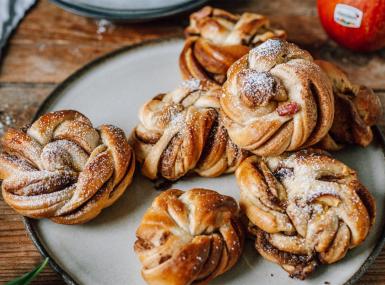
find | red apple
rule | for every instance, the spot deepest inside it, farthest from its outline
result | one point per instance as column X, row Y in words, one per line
column 355, row 24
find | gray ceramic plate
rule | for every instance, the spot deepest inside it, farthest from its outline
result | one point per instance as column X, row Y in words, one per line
column 129, row 11
column 111, row 90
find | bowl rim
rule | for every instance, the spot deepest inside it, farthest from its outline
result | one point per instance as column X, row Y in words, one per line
column 129, row 15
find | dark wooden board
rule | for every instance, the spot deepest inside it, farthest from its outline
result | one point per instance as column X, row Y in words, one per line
column 50, row 44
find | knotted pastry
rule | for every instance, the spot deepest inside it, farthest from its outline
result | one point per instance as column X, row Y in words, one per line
column 216, row 39
column 304, row 208
column 64, row 169
column 189, row 237
column 276, row 99
column 181, row 131
column 357, row 108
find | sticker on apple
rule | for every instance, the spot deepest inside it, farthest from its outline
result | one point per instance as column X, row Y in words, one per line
column 348, row 16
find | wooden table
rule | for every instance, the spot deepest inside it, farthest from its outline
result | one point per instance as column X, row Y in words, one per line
column 50, row 44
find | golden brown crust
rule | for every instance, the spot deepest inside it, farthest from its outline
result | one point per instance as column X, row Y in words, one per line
column 64, row 169
column 181, row 131
column 304, row 208
column 276, row 99
column 357, row 108
column 189, row 237
column 215, row 39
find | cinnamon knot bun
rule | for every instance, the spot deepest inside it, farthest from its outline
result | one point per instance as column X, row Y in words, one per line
column 357, row 108
column 304, row 208
column 189, row 237
column 276, row 99
column 181, row 131
column 216, row 39
column 64, row 169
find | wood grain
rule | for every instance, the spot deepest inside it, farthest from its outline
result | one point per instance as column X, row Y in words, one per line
column 50, row 44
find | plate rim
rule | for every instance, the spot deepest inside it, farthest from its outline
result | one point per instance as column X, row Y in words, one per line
column 29, row 222
column 133, row 15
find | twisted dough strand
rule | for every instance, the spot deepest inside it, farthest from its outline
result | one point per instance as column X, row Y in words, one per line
column 63, row 169
column 189, row 237
column 216, row 39
column 357, row 108
column 304, row 208
column 181, row 131
column 276, row 99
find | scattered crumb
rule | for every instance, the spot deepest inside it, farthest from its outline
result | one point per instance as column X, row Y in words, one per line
column 103, row 26
column 6, row 121
column 41, row 47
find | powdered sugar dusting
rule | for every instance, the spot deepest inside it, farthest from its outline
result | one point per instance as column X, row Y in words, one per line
column 43, row 190
column 257, row 86
column 192, row 84
column 321, row 199
column 187, row 215
column 270, row 48
column 5, row 122
column 177, row 120
column 174, row 123
column 63, row 154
